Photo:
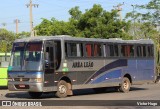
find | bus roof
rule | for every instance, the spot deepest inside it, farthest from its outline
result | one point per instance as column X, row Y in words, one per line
column 70, row 38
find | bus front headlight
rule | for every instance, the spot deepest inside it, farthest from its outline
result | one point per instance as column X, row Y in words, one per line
column 36, row 80
column 10, row 79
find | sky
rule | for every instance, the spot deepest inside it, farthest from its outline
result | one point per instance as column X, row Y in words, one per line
column 17, row 9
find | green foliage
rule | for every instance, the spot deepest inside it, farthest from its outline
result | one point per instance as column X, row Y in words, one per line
column 152, row 11
column 23, row 34
column 146, row 23
column 52, row 27
column 6, row 40
column 75, row 13
column 94, row 23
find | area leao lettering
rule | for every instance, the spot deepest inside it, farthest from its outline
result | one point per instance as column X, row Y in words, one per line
column 82, row 64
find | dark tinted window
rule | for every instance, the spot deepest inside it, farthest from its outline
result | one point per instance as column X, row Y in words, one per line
column 74, row 49
column 150, row 51
column 112, row 50
column 89, row 48
column 139, row 51
column 97, row 50
column 144, row 51
column 127, row 50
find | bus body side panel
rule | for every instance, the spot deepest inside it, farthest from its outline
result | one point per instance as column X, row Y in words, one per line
column 140, row 70
column 111, row 72
column 3, row 77
column 103, row 73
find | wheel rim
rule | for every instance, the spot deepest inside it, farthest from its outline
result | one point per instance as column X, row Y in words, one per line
column 125, row 85
column 62, row 89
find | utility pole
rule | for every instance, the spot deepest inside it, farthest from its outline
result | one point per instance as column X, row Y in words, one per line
column 118, row 7
column 31, row 16
column 16, row 21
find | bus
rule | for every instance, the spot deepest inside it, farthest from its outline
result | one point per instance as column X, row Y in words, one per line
column 61, row 64
column 4, row 62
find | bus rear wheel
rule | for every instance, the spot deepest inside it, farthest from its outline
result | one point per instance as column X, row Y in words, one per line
column 63, row 89
column 35, row 94
column 125, row 85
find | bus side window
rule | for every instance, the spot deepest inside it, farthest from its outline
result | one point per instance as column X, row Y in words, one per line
column 127, row 50
column 122, row 50
column 144, row 51
column 150, row 51
column 89, row 48
column 81, row 54
column 110, row 50
column 132, row 50
column 139, row 51
column 97, row 50
column 107, row 50
column 74, row 49
column 116, row 52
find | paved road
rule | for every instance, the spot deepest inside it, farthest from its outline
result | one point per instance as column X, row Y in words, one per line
column 139, row 92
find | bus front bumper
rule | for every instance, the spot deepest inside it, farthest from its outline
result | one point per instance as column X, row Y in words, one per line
column 25, row 86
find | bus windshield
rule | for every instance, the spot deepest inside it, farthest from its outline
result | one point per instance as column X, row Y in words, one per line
column 26, row 56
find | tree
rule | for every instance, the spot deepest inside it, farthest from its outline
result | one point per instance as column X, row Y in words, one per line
column 148, row 22
column 95, row 22
column 6, row 40
column 99, row 23
column 23, row 34
column 51, row 27
column 152, row 12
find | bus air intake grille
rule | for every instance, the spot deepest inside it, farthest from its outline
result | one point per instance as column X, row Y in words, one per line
column 21, row 79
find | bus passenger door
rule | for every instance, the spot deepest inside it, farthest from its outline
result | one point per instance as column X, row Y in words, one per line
column 49, row 56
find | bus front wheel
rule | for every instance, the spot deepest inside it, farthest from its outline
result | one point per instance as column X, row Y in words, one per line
column 35, row 94
column 125, row 85
column 63, row 89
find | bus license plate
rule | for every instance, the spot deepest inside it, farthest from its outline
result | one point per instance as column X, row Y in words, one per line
column 22, row 86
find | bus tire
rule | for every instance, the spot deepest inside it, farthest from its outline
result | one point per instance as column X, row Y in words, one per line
column 35, row 94
column 63, row 89
column 125, row 85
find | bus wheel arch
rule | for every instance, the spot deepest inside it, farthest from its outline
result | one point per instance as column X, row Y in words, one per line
column 126, row 83
column 64, row 87
column 129, row 77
